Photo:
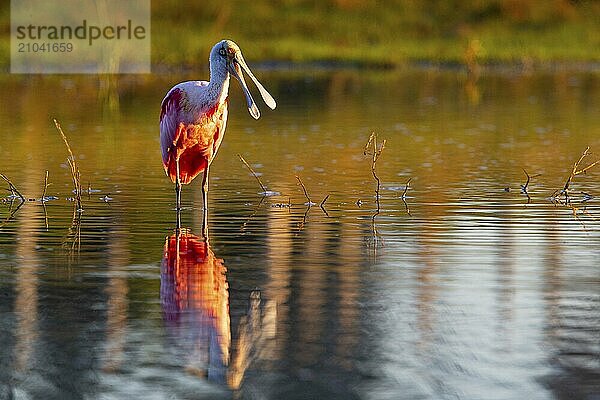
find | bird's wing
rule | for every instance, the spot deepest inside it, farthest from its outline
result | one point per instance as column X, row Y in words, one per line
column 169, row 121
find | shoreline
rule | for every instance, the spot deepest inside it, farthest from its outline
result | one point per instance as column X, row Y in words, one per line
column 489, row 67
column 328, row 66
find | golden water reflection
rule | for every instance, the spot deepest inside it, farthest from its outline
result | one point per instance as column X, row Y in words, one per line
column 472, row 280
column 27, row 297
column 194, row 296
column 195, row 302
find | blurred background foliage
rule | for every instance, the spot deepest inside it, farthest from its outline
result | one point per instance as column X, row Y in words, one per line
column 371, row 32
column 380, row 32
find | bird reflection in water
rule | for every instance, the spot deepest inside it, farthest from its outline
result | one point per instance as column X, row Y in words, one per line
column 195, row 301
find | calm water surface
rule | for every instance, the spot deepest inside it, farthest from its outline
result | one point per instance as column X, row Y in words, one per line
column 467, row 289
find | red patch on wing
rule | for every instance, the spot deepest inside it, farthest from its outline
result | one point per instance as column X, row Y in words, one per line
column 171, row 101
column 195, row 145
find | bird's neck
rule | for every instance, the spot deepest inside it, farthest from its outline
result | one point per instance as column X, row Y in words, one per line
column 219, row 84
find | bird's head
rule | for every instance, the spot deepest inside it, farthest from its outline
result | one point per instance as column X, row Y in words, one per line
column 229, row 55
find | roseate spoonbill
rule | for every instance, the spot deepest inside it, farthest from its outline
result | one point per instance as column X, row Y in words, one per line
column 193, row 116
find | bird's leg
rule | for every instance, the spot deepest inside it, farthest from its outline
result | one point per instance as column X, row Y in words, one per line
column 178, row 220
column 177, row 241
column 205, row 204
column 178, row 196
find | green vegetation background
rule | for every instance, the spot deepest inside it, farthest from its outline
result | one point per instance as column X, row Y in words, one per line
column 371, row 32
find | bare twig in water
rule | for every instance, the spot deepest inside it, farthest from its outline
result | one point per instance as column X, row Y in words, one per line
column 309, row 201
column 13, row 190
column 584, row 170
column 574, row 172
column 586, row 197
column 403, row 197
column 75, row 174
column 374, row 149
column 263, row 187
column 322, row 204
column 43, row 199
column 14, row 194
column 46, row 184
column 525, row 187
column 406, row 187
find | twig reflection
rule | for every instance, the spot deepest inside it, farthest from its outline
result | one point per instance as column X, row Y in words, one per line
column 72, row 242
column 255, row 329
column 376, row 239
column 245, row 224
column 11, row 212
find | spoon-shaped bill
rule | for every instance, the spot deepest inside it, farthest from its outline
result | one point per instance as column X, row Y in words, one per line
column 234, row 69
column 268, row 99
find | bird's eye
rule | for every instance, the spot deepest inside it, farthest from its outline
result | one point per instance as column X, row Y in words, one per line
column 222, row 52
